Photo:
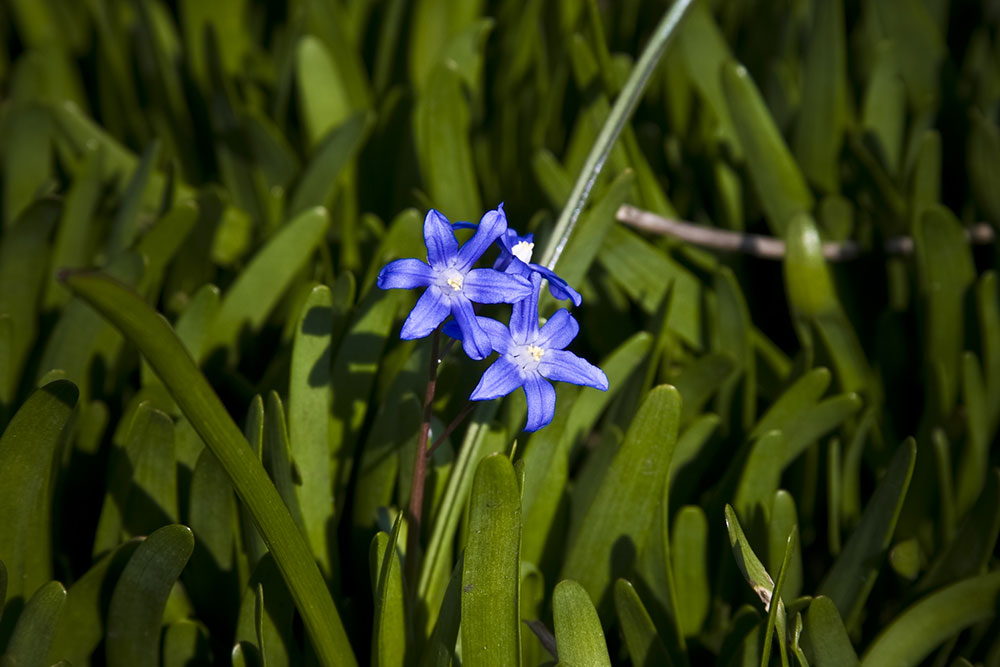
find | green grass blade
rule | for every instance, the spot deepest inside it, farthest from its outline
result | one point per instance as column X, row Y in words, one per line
column 165, row 353
column 853, row 574
column 389, row 629
column 625, row 504
column 35, row 628
column 135, row 614
column 29, row 449
column 916, row 632
column 491, row 625
column 260, row 285
column 620, row 113
column 825, row 641
column 310, row 398
column 579, row 637
column 644, row 646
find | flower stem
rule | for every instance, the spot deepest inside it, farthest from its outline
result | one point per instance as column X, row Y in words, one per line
column 420, row 465
column 452, row 426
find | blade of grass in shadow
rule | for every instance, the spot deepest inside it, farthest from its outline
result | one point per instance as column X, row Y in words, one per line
column 620, row 113
column 199, row 403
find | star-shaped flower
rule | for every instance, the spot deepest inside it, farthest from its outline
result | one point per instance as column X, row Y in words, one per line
column 452, row 284
column 515, row 257
column 530, row 357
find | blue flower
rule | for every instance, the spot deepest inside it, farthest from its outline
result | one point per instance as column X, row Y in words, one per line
column 515, row 257
column 530, row 357
column 452, row 284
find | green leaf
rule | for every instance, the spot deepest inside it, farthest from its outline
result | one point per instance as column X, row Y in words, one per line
column 491, row 627
column 617, row 119
column 184, row 643
column 644, row 645
column 784, row 519
column 81, row 624
column 260, row 285
column 704, row 51
column 26, row 158
column 389, row 628
column 776, row 177
column 747, row 561
column 920, row 46
column 441, row 126
column 323, row 99
column 36, row 626
column 354, row 368
column 983, row 161
column 135, row 614
column 265, row 627
column 945, row 270
column 623, row 508
column 433, row 27
column 24, row 250
column 125, row 226
column 310, row 398
column 29, row 450
column 579, row 637
column 974, row 458
column 165, row 353
column 883, row 114
column 689, row 548
column 701, row 380
column 825, row 641
column 853, row 574
column 646, row 274
column 776, row 612
column 332, row 154
column 969, row 551
column 441, row 645
column 918, row 630
column 822, row 116
column 760, row 476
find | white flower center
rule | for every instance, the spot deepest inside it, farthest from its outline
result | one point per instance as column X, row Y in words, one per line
column 528, row 356
column 452, row 278
column 523, row 251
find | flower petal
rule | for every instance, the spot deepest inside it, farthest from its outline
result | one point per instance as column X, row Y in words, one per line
column 498, row 332
column 431, row 309
column 452, row 330
column 405, row 274
column 492, row 225
column 475, row 340
column 524, row 315
column 564, row 366
column 558, row 332
column 503, row 377
column 439, row 238
column 489, row 286
column 541, row 401
column 560, row 288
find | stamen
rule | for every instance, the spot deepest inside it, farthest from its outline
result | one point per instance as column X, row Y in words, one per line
column 455, row 282
column 536, row 352
column 523, row 251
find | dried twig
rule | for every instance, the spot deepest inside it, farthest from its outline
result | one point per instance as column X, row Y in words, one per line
column 768, row 247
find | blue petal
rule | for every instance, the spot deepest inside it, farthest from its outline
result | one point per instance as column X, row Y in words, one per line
column 431, row 309
column 498, row 332
column 439, row 238
column 564, row 366
column 489, row 286
column 558, row 332
column 492, row 225
column 452, row 330
column 560, row 288
column 524, row 315
column 503, row 377
column 405, row 274
column 463, row 225
column 475, row 341
column 541, row 401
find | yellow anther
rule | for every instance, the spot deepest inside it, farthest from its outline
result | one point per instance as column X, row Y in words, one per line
column 455, row 282
column 536, row 352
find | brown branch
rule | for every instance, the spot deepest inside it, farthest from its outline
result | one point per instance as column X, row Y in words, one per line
column 768, row 247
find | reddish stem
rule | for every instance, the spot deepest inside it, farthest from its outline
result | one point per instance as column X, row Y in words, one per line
column 452, row 426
